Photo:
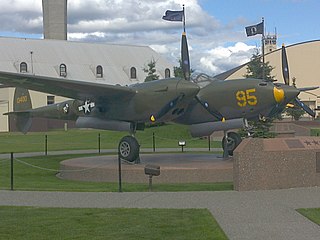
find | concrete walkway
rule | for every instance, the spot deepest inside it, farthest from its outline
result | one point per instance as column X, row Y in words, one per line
column 242, row 215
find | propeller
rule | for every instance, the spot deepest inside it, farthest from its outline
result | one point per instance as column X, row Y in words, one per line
column 214, row 113
column 285, row 74
column 187, row 89
column 187, row 72
column 163, row 111
column 185, row 57
column 285, row 66
column 305, row 107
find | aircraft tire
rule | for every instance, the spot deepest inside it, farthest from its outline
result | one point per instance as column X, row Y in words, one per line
column 129, row 148
column 233, row 140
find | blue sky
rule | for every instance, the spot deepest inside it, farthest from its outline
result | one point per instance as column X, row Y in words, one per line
column 295, row 20
column 215, row 28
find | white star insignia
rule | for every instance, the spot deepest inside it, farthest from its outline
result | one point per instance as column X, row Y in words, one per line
column 87, row 107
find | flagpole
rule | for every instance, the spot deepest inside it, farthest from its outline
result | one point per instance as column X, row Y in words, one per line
column 263, row 60
column 184, row 19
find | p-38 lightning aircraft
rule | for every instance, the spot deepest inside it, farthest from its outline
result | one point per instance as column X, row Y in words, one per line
column 215, row 105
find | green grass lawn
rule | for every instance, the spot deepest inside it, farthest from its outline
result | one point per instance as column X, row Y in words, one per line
column 30, row 178
column 65, row 223
column 166, row 136
column 311, row 213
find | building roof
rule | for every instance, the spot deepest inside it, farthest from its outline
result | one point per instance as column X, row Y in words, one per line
column 44, row 57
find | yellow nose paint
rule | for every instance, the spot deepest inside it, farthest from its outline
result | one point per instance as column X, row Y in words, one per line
column 278, row 94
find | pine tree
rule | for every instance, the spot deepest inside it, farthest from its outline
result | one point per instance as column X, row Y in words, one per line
column 295, row 112
column 255, row 68
column 151, row 70
column 260, row 128
column 178, row 70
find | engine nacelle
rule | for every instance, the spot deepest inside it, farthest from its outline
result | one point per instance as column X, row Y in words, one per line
column 98, row 123
column 206, row 129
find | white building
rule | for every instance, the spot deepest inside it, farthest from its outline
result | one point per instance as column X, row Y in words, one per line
column 103, row 63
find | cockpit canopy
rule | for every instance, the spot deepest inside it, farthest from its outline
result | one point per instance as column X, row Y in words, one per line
column 202, row 79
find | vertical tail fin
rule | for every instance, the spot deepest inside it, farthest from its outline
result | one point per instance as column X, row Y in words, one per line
column 22, row 103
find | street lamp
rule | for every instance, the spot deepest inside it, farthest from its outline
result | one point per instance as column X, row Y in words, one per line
column 182, row 144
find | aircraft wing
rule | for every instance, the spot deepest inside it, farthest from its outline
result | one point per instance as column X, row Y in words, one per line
column 65, row 87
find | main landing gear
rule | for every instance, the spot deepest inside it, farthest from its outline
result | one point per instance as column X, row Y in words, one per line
column 230, row 142
column 129, row 149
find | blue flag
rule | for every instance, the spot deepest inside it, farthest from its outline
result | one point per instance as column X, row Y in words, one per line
column 173, row 16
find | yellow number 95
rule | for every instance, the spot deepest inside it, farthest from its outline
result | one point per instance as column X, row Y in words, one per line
column 246, row 97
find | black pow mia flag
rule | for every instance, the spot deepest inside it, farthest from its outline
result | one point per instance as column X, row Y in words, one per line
column 254, row 29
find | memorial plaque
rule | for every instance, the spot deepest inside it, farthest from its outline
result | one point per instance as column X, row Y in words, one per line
column 264, row 164
column 294, row 143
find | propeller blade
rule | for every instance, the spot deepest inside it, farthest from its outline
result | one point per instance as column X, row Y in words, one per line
column 305, row 107
column 170, row 105
column 307, row 89
column 214, row 113
column 185, row 57
column 276, row 110
column 285, row 66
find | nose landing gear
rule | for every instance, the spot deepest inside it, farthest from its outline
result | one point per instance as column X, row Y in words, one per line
column 129, row 149
column 230, row 142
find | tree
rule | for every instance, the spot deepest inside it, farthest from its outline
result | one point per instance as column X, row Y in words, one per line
column 255, row 68
column 178, row 72
column 260, row 128
column 151, row 70
column 295, row 112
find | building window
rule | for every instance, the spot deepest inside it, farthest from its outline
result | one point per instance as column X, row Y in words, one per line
column 99, row 71
column 133, row 73
column 167, row 73
column 23, row 67
column 50, row 100
column 63, row 70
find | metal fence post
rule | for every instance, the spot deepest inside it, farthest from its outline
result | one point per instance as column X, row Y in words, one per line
column 46, row 145
column 120, row 177
column 99, row 143
column 11, row 172
column 209, row 143
column 153, row 142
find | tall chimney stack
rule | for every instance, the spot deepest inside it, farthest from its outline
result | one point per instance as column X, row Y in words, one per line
column 55, row 19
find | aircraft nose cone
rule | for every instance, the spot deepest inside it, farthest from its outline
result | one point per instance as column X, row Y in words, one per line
column 285, row 93
column 189, row 89
column 290, row 93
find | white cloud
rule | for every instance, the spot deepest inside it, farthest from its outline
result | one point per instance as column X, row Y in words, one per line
column 21, row 6
column 138, row 22
column 221, row 59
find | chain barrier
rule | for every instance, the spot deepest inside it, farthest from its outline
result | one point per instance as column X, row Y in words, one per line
column 54, row 142
column 146, row 138
column 3, row 161
column 58, row 170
